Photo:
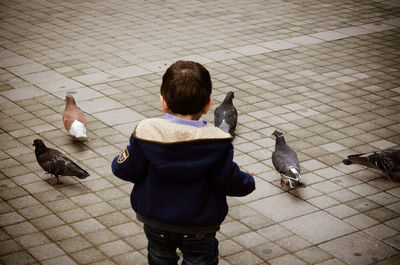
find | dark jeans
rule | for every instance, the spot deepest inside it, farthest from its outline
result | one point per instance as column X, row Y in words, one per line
column 197, row 249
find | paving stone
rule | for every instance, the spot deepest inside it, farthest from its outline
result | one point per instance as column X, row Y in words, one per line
column 127, row 229
column 331, row 262
column 286, row 259
column 44, row 252
column 100, row 236
column 228, row 247
column 10, row 218
column 382, row 214
column 312, row 255
column 118, row 116
column 273, row 205
column 380, row 231
column 113, row 219
column 87, row 256
column 244, row 257
column 9, row 246
column 115, row 248
column 60, row 232
column 292, row 243
column 18, row 258
column 20, row 229
column 349, row 249
column 383, row 198
column 131, row 258
column 32, row 240
column 362, row 204
column 73, row 215
column 46, row 222
column 344, row 195
column 138, row 242
column 328, row 227
column 275, row 232
column 360, row 221
column 250, row 240
column 74, row 244
column 323, row 201
column 86, row 226
column 341, row 211
column 62, row 260
column 394, row 223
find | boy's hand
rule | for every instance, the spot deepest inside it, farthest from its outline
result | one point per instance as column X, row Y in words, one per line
column 252, row 173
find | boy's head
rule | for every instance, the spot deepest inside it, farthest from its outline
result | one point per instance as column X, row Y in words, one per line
column 186, row 88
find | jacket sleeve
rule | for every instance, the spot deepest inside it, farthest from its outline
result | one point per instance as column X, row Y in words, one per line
column 230, row 180
column 131, row 165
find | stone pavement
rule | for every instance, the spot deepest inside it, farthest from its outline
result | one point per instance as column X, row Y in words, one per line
column 324, row 72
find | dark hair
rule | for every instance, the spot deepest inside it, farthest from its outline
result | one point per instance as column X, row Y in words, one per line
column 186, row 87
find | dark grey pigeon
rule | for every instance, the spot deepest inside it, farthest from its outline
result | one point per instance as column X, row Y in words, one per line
column 387, row 160
column 286, row 162
column 225, row 115
column 56, row 163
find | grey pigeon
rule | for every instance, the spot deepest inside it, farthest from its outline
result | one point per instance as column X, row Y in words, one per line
column 225, row 115
column 286, row 162
column 387, row 160
column 56, row 163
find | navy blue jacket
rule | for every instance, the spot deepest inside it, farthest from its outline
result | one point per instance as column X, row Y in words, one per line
column 182, row 175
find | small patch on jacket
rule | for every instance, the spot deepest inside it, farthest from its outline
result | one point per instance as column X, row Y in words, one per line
column 122, row 157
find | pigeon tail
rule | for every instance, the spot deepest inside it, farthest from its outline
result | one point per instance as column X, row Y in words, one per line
column 293, row 178
column 295, row 172
column 78, row 130
column 82, row 174
column 371, row 159
column 224, row 126
column 347, row 162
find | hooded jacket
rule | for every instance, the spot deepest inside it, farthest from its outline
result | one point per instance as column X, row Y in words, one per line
column 182, row 175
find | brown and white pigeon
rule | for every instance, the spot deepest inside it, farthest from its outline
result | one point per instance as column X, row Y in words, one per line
column 56, row 163
column 286, row 162
column 225, row 115
column 387, row 160
column 74, row 119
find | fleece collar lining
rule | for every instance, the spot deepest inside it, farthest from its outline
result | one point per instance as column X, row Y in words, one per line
column 163, row 131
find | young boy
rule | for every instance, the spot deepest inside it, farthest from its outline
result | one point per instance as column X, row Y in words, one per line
column 182, row 170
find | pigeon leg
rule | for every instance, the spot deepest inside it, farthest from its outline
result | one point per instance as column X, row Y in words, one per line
column 390, row 179
column 290, row 183
column 58, row 180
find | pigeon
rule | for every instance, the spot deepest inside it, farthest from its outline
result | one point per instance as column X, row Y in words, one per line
column 387, row 160
column 286, row 162
column 74, row 119
column 56, row 163
column 225, row 115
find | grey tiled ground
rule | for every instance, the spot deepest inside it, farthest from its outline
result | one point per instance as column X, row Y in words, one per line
column 327, row 73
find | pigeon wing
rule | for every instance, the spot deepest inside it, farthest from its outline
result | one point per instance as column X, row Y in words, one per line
column 47, row 162
column 71, row 114
column 283, row 158
column 231, row 116
column 218, row 116
column 64, row 166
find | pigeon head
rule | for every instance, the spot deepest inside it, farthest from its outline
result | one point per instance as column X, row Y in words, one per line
column 38, row 143
column 70, row 99
column 39, row 146
column 229, row 96
column 277, row 133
